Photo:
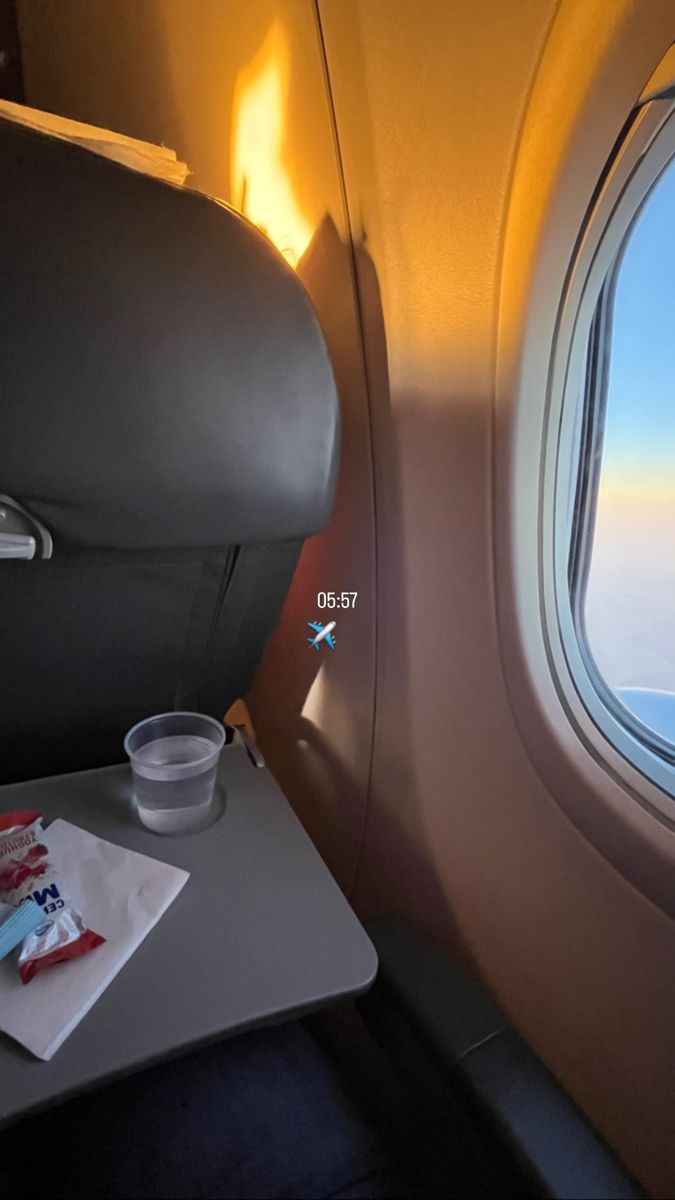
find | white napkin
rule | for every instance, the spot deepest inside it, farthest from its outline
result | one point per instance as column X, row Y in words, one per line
column 140, row 156
column 121, row 895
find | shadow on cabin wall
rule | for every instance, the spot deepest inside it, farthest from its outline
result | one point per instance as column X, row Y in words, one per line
column 313, row 712
column 298, row 694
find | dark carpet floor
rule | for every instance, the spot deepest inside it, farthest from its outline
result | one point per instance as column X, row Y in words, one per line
column 267, row 1115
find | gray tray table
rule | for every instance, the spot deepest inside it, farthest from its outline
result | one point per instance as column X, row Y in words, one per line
column 260, row 933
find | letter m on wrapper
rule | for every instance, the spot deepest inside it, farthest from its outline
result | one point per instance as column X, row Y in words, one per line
column 42, row 896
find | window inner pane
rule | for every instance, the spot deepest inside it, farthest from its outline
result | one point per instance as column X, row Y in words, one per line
column 629, row 604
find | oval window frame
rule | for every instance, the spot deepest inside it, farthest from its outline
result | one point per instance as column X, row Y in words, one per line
column 623, row 746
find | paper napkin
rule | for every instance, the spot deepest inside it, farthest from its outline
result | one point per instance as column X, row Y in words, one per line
column 121, row 895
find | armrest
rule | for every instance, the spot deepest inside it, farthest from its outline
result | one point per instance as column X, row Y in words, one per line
column 434, row 1020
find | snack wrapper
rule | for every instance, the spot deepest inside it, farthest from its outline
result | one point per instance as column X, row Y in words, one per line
column 27, row 873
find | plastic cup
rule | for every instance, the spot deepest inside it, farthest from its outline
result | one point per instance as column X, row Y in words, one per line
column 174, row 762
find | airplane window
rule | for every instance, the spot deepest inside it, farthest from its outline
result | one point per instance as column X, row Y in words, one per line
column 622, row 558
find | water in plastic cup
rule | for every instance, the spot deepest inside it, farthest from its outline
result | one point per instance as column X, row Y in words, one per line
column 174, row 762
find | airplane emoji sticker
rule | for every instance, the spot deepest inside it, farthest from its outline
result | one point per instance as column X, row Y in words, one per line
column 323, row 633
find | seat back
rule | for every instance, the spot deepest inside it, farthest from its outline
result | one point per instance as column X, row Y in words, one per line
column 168, row 412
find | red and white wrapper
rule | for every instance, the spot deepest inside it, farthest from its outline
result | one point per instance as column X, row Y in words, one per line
column 27, row 872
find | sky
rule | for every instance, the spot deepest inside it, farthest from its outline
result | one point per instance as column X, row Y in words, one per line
column 630, row 600
column 640, row 429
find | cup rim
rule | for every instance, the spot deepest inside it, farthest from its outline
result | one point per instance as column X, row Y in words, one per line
column 217, row 725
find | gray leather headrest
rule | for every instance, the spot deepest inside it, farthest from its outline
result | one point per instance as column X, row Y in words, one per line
column 164, row 378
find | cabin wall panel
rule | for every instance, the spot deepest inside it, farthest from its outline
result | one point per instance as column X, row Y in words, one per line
column 462, row 834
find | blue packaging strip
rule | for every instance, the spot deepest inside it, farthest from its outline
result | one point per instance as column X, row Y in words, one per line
column 17, row 923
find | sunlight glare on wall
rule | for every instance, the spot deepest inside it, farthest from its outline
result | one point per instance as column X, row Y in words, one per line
column 260, row 184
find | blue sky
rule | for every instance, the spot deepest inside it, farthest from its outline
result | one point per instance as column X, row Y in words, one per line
column 639, row 442
column 630, row 596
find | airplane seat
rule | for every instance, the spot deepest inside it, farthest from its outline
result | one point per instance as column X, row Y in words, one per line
column 170, row 431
